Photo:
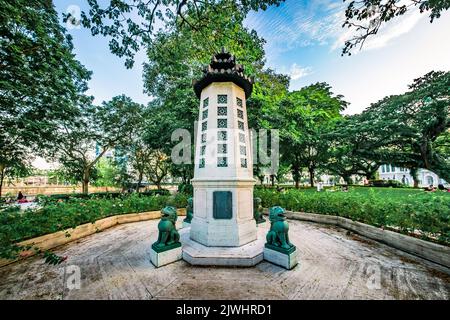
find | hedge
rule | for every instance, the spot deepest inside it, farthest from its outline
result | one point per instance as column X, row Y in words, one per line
column 426, row 215
column 16, row 225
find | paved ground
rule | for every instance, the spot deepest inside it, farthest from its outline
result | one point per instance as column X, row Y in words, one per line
column 334, row 264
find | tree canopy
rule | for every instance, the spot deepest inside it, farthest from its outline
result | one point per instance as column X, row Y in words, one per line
column 366, row 17
column 41, row 82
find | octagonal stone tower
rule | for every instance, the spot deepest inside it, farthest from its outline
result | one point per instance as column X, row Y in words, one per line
column 223, row 176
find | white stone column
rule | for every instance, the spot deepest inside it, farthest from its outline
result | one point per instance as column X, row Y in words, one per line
column 223, row 163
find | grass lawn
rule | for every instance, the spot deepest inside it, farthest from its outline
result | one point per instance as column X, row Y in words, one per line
column 391, row 193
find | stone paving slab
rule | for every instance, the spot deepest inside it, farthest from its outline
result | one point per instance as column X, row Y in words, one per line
column 333, row 264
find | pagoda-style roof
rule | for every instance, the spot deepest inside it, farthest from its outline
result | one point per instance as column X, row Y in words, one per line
column 223, row 68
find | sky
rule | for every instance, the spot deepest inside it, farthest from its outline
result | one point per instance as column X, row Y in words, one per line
column 303, row 39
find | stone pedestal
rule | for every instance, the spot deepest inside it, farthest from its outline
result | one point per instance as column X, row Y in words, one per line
column 185, row 224
column 160, row 259
column 243, row 256
column 285, row 260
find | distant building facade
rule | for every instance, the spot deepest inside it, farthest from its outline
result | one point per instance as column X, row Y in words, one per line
column 403, row 175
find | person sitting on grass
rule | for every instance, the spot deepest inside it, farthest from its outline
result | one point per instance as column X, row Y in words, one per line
column 430, row 188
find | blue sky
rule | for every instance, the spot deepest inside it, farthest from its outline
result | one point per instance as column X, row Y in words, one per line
column 304, row 39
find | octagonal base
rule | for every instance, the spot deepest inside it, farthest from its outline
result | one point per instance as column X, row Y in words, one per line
column 247, row 255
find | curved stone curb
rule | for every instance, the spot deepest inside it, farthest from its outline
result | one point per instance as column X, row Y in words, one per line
column 427, row 250
column 53, row 240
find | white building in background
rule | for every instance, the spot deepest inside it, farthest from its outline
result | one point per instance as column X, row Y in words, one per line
column 425, row 177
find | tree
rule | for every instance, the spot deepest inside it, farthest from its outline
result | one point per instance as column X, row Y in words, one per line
column 303, row 117
column 108, row 173
column 177, row 58
column 139, row 159
column 367, row 16
column 40, row 80
column 81, row 144
column 349, row 141
column 158, row 167
column 410, row 130
column 118, row 20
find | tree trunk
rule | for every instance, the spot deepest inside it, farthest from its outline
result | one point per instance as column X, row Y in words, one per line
column 296, row 177
column 347, row 179
column 85, row 186
column 138, row 187
column 2, row 176
column 413, row 172
column 311, row 177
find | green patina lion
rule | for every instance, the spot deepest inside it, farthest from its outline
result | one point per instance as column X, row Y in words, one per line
column 257, row 210
column 168, row 236
column 278, row 237
column 189, row 211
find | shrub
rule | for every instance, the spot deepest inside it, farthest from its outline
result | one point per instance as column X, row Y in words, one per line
column 186, row 189
column 16, row 225
column 386, row 183
column 428, row 213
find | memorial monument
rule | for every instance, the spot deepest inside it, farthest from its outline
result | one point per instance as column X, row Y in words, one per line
column 223, row 175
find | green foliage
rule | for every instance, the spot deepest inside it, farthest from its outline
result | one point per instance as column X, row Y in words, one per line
column 407, row 130
column 53, row 259
column 188, row 49
column 41, row 82
column 54, row 198
column 186, row 189
column 366, row 17
column 118, row 20
column 16, row 226
column 103, row 128
column 386, row 183
column 303, row 117
column 403, row 210
column 108, row 173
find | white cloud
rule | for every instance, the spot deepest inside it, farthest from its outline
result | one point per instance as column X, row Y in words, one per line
column 388, row 31
column 394, row 29
column 298, row 72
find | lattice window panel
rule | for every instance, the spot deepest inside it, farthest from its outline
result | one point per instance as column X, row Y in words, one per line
column 204, row 125
column 240, row 114
column 243, row 150
column 202, row 163
column 203, row 137
column 206, row 103
column 222, row 136
column 221, row 148
column 222, row 123
column 222, row 162
column 222, row 99
column 239, row 102
column 221, row 111
column 241, row 137
column 243, row 162
column 202, row 150
column 241, row 125
column 204, row 114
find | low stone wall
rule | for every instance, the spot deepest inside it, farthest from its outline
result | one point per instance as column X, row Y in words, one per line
column 53, row 240
column 427, row 250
